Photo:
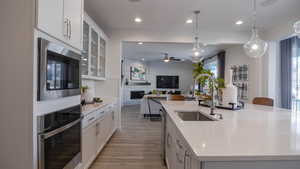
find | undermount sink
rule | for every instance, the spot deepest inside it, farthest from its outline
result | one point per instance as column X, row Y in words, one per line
column 193, row 116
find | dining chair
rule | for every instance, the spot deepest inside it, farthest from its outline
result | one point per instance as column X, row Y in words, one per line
column 176, row 97
column 263, row 101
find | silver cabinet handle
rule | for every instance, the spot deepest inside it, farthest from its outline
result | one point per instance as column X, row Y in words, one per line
column 70, row 31
column 187, row 160
column 168, row 140
column 66, row 28
column 91, row 119
column 59, row 130
column 179, row 145
column 97, row 129
column 179, row 159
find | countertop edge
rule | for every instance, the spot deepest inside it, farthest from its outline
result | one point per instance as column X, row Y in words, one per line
column 97, row 107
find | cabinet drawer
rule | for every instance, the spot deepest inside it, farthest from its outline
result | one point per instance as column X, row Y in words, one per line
column 89, row 119
column 100, row 113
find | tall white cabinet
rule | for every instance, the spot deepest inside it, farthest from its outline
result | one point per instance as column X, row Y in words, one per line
column 61, row 19
column 94, row 51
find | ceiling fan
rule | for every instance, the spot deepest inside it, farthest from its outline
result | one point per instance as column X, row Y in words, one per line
column 167, row 58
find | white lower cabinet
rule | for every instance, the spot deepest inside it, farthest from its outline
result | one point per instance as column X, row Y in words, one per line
column 169, row 145
column 88, row 145
column 100, row 141
column 95, row 134
column 178, row 154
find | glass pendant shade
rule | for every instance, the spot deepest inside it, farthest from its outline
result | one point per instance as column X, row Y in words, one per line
column 197, row 59
column 255, row 47
column 198, row 47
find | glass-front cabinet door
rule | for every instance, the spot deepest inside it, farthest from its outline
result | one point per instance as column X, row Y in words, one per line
column 85, row 51
column 102, row 57
column 93, row 62
column 94, row 66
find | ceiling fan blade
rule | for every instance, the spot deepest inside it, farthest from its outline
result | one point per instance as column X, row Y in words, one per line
column 267, row 3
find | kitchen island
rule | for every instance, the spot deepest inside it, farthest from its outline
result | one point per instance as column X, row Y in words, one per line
column 150, row 104
column 257, row 137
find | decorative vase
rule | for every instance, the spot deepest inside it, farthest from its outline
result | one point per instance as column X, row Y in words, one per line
column 230, row 93
column 87, row 96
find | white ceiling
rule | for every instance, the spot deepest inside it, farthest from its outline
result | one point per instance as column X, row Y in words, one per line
column 170, row 15
column 154, row 51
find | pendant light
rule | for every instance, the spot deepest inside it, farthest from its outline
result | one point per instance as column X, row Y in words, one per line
column 297, row 28
column 255, row 47
column 198, row 48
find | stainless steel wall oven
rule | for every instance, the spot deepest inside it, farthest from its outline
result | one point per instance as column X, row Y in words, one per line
column 58, row 71
column 59, row 139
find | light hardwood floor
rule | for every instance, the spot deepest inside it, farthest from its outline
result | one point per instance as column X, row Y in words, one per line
column 136, row 146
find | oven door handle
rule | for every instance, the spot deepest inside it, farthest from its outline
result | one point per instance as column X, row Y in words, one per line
column 59, row 130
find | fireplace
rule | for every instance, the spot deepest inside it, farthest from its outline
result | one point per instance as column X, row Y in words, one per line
column 134, row 95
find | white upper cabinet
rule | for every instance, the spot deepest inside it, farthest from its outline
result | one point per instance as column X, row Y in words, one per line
column 62, row 19
column 50, row 17
column 73, row 12
column 94, row 51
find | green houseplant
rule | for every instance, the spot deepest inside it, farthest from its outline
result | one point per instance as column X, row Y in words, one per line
column 206, row 78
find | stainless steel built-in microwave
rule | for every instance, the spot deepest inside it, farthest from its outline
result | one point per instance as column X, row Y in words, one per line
column 59, row 71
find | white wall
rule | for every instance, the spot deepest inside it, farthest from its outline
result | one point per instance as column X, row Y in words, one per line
column 127, row 89
column 261, row 70
column 264, row 72
column 112, row 86
column 154, row 68
column 16, row 84
column 182, row 69
column 236, row 56
column 271, row 61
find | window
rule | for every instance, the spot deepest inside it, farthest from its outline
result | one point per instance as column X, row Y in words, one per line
column 296, row 75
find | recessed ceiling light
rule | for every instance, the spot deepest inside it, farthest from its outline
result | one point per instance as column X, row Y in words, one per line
column 189, row 21
column 138, row 20
column 134, row 0
column 143, row 59
column 140, row 43
column 239, row 22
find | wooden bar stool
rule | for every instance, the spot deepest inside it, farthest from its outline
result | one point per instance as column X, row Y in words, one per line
column 263, row 101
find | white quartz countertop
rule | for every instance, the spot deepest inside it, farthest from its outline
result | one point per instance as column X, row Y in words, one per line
column 254, row 133
column 89, row 108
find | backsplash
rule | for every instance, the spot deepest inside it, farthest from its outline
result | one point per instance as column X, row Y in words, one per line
column 91, row 84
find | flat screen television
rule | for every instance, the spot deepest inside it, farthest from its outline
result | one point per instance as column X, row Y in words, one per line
column 167, row 82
